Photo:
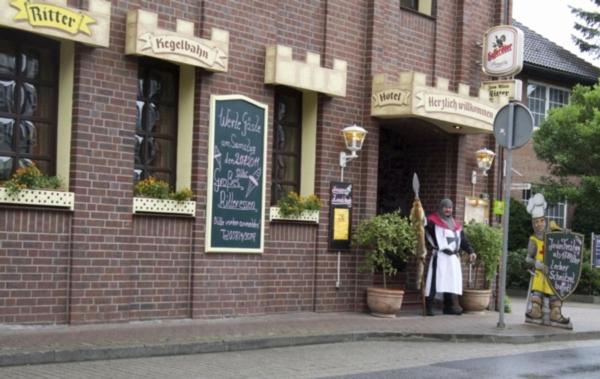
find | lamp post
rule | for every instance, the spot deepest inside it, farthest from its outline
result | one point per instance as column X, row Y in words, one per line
column 354, row 136
column 485, row 158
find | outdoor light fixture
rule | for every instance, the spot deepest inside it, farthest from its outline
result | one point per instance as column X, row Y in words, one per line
column 485, row 158
column 354, row 136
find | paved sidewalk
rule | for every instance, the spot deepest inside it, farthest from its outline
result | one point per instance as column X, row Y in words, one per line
column 60, row 343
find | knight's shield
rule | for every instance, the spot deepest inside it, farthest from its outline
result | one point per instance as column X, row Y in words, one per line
column 563, row 256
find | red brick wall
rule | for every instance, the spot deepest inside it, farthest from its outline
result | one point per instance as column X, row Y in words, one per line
column 34, row 251
column 126, row 267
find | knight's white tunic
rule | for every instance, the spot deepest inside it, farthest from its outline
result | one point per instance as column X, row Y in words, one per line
column 448, row 273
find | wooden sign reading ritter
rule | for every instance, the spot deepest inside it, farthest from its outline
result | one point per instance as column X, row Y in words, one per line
column 52, row 16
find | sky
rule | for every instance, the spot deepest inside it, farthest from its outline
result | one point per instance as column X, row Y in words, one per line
column 553, row 19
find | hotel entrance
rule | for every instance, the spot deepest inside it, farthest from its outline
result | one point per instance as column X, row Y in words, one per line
column 410, row 146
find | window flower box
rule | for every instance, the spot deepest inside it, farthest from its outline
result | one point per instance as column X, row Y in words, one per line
column 44, row 198
column 166, row 206
column 305, row 216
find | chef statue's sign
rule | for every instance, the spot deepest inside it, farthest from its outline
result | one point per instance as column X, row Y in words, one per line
column 555, row 257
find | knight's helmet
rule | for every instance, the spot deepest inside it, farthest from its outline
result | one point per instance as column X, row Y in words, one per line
column 446, row 203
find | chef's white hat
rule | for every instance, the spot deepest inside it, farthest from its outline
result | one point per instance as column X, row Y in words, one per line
column 536, row 205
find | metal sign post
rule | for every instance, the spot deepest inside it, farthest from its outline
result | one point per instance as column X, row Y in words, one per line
column 513, row 125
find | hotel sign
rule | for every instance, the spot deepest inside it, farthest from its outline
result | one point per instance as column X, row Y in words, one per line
column 392, row 97
column 503, row 51
column 410, row 96
column 56, row 19
column 180, row 46
column 453, row 104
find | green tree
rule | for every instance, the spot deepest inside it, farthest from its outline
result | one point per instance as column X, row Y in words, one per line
column 589, row 28
column 568, row 140
column 519, row 228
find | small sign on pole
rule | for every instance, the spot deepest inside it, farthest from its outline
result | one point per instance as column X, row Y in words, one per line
column 595, row 250
column 340, row 217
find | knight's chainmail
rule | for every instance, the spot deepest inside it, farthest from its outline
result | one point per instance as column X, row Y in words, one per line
column 449, row 220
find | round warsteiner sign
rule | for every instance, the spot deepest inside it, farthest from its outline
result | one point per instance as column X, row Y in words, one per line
column 503, row 51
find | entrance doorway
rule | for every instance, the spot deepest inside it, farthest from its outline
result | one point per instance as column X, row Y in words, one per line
column 407, row 147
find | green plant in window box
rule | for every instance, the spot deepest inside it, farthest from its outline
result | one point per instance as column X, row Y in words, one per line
column 30, row 177
column 293, row 204
column 159, row 189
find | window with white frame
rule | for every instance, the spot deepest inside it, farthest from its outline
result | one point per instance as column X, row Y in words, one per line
column 554, row 212
column 541, row 98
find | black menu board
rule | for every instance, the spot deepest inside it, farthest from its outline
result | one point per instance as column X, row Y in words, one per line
column 563, row 256
column 236, row 175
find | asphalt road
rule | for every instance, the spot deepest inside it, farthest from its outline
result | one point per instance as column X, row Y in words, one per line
column 370, row 359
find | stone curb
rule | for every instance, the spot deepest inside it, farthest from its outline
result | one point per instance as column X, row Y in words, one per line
column 147, row 350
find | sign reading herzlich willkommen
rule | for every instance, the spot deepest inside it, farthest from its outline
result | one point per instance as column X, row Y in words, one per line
column 503, row 51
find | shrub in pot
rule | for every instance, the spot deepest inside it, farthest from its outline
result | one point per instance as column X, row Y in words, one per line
column 487, row 242
column 386, row 239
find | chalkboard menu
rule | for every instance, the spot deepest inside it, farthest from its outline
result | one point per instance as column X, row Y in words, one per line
column 340, row 215
column 563, row 256
column 595, row 250
column 236, row 175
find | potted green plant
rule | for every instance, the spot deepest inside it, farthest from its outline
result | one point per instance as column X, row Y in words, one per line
column 487, row 243
column 385, row 238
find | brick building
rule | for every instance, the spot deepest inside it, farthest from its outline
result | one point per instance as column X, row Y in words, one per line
column 549, row 73
column 106, row 93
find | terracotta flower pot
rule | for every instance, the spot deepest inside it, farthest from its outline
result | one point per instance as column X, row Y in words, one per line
column 475, row 300
column 384, row 302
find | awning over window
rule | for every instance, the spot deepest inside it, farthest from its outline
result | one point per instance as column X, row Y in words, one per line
column 455, row 112
column 180, row 46
column 281, row 69
column 56, row 19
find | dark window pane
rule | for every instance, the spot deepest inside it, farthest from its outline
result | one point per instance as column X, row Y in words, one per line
column 28, row 100
column 164, row 153
column 286, row 143
column 27, row 137
column 28, row 97
column 168, row 118
column 154, row 91
column 139, row 115
column 30, row 64
column 6, row 164
column 7, row 126
column 7, row 58
column 156, row 124
column 410, row 4
column 35, row 138
column 7, row 96
column 46, row 103
column 151, row 116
